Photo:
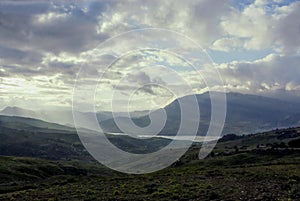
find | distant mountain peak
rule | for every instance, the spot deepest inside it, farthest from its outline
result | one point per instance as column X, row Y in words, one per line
column 17, row 111
column 246, row 113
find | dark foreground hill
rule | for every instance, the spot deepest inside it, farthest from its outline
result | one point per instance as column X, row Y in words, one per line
column 262, row 166
column 28, row 137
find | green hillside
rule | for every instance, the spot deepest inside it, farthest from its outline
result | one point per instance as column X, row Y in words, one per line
column 262, row 166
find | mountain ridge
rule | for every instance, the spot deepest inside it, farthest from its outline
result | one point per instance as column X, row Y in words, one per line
column 245, row 114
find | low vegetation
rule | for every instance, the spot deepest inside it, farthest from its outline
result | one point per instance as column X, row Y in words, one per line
column 263, row 166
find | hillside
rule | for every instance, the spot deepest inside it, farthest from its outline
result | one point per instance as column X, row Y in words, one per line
column 28, row 137
column 31, row 123
column 64, row 117
column 268, row 162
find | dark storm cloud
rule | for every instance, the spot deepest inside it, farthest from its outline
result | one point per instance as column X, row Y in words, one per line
column 15, row 56
column 30, row 30
column 66, row 28
column 19, row 7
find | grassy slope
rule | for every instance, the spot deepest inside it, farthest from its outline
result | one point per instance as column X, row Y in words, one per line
column 27, row 137
column 218, row 178
column 239, row 171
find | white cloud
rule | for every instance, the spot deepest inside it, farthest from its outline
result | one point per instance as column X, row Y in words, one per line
column 263, row 26
column 227, row 44
column 52, row 40
column 268, row 74
column 287, row 32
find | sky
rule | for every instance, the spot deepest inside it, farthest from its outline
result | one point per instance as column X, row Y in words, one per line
column 46, row 47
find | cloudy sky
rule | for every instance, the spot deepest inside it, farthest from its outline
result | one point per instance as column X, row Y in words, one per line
column 45, row 47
